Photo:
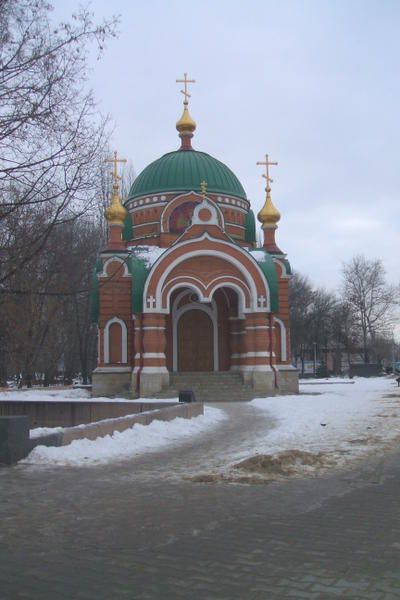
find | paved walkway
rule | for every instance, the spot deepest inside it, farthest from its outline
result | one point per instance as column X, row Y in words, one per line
column 139, row 530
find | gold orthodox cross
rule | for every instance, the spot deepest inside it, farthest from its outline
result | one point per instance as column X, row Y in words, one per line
column 267, row 163
column 115, row 161
column 185, row 81
column 203, row 187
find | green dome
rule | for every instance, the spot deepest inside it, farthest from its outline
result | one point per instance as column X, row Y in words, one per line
column 183, row 171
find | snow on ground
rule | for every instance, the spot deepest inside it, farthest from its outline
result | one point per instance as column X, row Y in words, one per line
column 70, row 395
column 329, row 423
column 326, row 380
column 127, row 444
column 340, row 420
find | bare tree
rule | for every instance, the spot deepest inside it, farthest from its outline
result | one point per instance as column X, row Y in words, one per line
column 46, row 320
column 51, row 135
column 300, row 302
column 370, row 298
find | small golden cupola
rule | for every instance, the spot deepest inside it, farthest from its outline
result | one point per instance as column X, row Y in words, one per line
column 269, row 215
column 116, row 213
column 186, row 125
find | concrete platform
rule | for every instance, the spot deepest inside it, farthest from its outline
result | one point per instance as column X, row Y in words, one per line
column 68, row 413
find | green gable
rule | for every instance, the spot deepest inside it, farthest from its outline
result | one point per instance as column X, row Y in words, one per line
column 250, row 228
column 139, row 270
column 127, row 232
column 267, row 266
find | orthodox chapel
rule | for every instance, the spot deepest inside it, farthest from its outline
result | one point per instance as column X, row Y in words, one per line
column 182, row 289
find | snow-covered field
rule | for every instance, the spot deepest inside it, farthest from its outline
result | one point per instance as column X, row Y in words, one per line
column 329, row 424
column 333, row 420
column 332, row 417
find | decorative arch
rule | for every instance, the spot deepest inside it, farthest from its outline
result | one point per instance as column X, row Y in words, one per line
column 251, row 276
column 206, row 292
column 282, row 328
column 192, row 283
column 233, row 286
column 109, row 261
column 182, row 199
column 285, row 273
column 124, row 340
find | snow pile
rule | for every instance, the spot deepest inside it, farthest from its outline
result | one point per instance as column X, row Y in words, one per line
column 127, row 444
column 338, row 420
column 39, row 431
column 258, row 255
column 150, row 254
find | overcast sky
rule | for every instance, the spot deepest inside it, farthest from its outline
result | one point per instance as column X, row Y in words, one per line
column 316, row 84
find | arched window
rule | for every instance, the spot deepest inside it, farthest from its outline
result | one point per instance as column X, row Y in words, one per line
column 280, row 336
column 181, row 217
column 115, row 335
column 115, row 342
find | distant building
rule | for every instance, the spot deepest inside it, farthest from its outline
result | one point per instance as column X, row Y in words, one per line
column 181, row 286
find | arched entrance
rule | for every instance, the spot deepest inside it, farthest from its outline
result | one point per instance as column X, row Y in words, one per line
column 195, row 341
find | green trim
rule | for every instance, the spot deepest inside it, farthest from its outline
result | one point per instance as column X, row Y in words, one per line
column 183, row 171
column 284, row 261
column 250, row 225
column 127, row 231
column 287, row 265
column 139, row 270
column 267, row 266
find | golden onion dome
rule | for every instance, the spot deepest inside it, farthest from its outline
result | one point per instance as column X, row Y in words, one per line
column 116, row 213
column 269, row 215
column 186, row 124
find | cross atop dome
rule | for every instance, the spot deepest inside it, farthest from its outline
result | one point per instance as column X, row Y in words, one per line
column 269, row 215
column 185, row 81
column 115, row 160
column 267, row 163
column 186, row 125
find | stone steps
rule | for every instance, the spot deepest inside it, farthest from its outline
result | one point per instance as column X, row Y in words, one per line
column 210, row 387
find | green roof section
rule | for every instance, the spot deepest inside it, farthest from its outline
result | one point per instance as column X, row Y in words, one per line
column 127, row 231
column 284, row 261
column 250, row 228
column 139, row 270
column 183, row 171
column 287, row 265
column 267, row 266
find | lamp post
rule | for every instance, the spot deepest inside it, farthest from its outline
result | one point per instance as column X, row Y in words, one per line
column 393, row 355
column 315, row 358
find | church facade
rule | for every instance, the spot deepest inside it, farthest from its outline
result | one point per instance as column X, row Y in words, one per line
column 181, row 285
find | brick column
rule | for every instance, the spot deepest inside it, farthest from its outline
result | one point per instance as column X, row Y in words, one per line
column 154, row 375
column 237, row 333
column 137, row 353
column 255, row 358
column 115, row 303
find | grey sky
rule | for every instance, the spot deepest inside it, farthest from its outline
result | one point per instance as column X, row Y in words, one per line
column 313, row 83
